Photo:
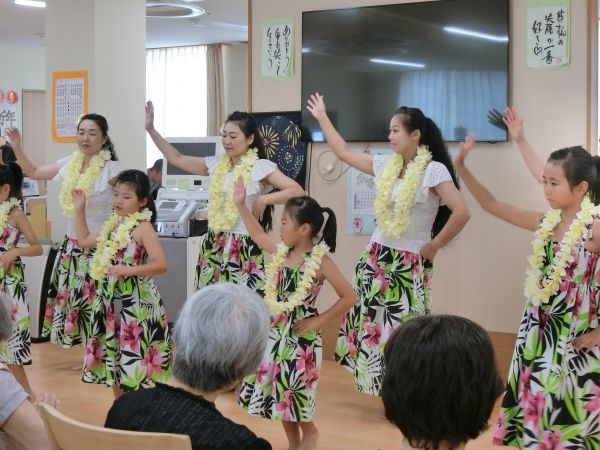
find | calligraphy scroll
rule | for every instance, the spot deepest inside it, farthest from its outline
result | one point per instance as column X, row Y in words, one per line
column 277, row 50
column 548, row 33
column 69, row 101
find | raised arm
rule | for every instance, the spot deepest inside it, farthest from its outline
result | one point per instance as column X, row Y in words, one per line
column 85, row 239
column 360, row 161
column 257, row 233
column 286, row 188
column 514, row 123
column 45, row 172
column 520, row 217
column 191, row 164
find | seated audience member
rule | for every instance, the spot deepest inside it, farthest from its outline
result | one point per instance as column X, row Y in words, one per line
column 220, row 337
column 20, row 422
column 155, row 176
column 441, row 382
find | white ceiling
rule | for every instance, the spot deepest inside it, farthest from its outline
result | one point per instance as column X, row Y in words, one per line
column 24, row 26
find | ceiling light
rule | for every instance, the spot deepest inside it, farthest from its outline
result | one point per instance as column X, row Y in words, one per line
column 173, row 9
column 397, row 63
column 34, row 3
column 476, row 34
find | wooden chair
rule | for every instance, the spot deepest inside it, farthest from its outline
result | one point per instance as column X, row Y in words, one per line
column 69, row 434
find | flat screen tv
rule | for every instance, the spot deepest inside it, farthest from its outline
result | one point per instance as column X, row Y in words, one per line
column 449, row 58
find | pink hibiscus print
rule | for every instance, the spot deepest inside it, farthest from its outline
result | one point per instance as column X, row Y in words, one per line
column 305, row 360
column 250, row 266
column 380, row 276
column 139, row 254
column 500, row 429
column 263, row 369
column 130, row 335
column 89, row 290
column 551, row 441
column 594, row 404
column 311, row 375
column 110, row 318
column 373, row 252
column 49, row 312
column 351, row 339
column 280, row 318
column 373, row 331
column 285, row 405
column 62, row 296
column 234, row 250
column 93, row 355
column 219, row 243
column 72, row 319
column 153, row 360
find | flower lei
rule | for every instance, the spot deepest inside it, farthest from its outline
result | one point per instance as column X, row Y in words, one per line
column 540, row 287
column 311, row 266
column 393, row 217
column 5, row 209
column 84, row 181
column 222, row 212
column 111, row 240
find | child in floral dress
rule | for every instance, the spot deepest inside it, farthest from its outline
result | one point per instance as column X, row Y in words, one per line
column 129, row 345
column 284, row 387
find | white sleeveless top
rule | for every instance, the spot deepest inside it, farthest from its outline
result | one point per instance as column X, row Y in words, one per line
column 423, row 212
column 98, row 208
column 254, row 188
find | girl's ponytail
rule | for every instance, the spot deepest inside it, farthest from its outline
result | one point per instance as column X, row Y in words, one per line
column 594, row 188
column 329, row 229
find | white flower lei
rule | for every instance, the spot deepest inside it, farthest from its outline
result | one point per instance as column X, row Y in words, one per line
column 84, row 181
column 541, row 288
column 5, row 209
column 392, row 217
column 111, row 240
column 222, row 212
column 311, row 265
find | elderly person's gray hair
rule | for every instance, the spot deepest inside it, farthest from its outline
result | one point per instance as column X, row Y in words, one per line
column 5, row 322
column 220, row 336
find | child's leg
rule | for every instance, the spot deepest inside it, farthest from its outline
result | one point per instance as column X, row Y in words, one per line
column 117, row 391
column 21, row 377
column 292, row 431
column 310, row 436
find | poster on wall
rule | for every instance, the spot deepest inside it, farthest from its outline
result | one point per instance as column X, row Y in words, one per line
column 548, row 34
column 69, row 101
column 277, row 49
column 8, row 111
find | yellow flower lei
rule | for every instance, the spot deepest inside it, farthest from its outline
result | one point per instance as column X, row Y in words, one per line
column 539, row 287
column 392, row 217
column 5, row 209
column 222, row 212
column 311, row 266
column 84, row 181
column 111, row 240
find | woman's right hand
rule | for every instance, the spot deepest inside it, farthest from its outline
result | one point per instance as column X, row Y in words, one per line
column 464, row 148
column 15, row 137
column 78, row 199
column 514, row 123
column 149, row 122
column 239, row 192
column 316, row 106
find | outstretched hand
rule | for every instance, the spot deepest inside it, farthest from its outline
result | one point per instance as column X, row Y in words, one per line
column 15, row 136
column 514, row 123
column 239, row 192
column 149, row 122
column 496, row 118
column 78, row 199
column 465, row 147
column 316, row 106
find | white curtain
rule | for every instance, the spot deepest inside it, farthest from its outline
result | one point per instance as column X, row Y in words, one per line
column 176, row 84
column 216, row 96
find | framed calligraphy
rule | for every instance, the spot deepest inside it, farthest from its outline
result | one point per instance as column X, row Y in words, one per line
column 548, row 34
column 277, row 49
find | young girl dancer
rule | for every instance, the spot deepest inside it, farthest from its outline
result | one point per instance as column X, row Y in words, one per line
column 227, row 252
column 285, row 386
column 418, row 210
column 16, row 351
column 90, row 168
column 551, row 399
column 129, row 345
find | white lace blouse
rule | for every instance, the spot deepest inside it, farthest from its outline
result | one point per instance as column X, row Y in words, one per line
column 423, row 212
column 254, row 188
column 98, row 208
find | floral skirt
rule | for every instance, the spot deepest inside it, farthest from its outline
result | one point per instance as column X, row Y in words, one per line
column 392, row 286
column 70, row 295
column 232, row 257
column 13, row 292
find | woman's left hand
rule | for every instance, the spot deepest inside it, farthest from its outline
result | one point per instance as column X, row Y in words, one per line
column 429, row 250
column 259, row 208
column 7, row 259
column 120, row 271
column 310, row 324
column 588, row 341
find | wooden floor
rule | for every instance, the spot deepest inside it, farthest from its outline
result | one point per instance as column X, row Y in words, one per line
column 345, row 418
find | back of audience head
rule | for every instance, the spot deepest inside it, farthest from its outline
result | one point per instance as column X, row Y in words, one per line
column 220, row 337
column 441, row 381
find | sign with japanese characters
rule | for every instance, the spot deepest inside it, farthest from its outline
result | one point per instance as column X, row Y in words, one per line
column 548, row 33
column 277, row 49
column 8, row 110
column 69, row 102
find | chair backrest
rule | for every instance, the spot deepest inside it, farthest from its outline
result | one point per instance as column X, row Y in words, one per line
column 69, row 434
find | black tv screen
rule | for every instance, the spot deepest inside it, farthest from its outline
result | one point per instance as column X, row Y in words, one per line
column 449, row 58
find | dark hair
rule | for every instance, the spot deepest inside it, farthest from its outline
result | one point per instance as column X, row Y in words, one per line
column 141, row 184
column 441, row 381
column 12, row 175
column 103, row 124
column 578, row 166
column 431, row 136
column 247, row 124
column 158, row 165
column 306, row 210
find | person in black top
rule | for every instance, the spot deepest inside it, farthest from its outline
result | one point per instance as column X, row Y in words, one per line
column 220, row 336
column 155, row 176
column 6, row 152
